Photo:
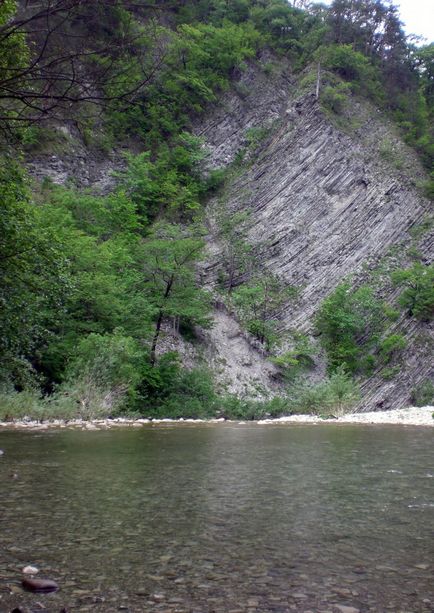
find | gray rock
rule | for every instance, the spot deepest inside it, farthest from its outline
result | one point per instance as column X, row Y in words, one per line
column 323, row 205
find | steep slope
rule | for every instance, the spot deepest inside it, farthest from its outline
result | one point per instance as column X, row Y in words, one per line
column 328, row 197
column 325, row 204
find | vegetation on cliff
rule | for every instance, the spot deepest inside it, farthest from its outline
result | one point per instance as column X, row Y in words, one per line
column 89, row 280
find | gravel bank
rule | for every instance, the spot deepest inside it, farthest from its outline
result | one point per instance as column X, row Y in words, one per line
column 413, row 416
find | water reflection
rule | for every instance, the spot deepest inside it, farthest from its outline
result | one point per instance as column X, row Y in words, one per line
column 220, row 518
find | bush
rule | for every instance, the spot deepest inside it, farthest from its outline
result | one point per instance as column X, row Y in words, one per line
column 423, row 394
column 99, row 379
column 17, row 405
column 390, row 373
column 335, row 98
column 350, row 323
column 391, row 345
column 298, row 359
column 418, row 295
column 333, row 396
column 168, row 390
column 231, row 407
column 352, row 66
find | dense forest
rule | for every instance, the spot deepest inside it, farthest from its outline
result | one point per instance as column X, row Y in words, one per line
column 91, row 280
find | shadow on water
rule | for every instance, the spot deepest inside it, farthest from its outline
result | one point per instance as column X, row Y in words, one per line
column 220, row 518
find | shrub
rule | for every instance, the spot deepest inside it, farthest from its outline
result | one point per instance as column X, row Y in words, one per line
column 423, row 394
column 98, row 380
column 333, row 396
column 235, row 408
column 257, row 303
column 17, row 405
column 418, row 295
column 335, row 98
column 298, row 359
column 349, row 323
column 168, row 390
column 391, row 345
column 352, row 66
column 390, row 373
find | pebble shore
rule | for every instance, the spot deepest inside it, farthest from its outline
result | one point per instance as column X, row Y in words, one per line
column 412, row 416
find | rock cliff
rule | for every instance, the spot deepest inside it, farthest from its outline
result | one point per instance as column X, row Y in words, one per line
column 328, row 198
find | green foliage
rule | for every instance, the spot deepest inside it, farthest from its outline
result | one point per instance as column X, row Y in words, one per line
column 423, row 394
column 254, row 136
column 391, row 345
column 14, row 56
column 168, row 390
column 418, row 294
column 17, row 405
column 390, row 373
column 333, row 396
column 105, row 369
column 352, row 66
column 170, row 184
column 33, row 272
column 335, row 98
column 231, row 407
column 298, row 359
column 349, row 323
column 237, row 253
column 169, row 258
column 77, row 268
column 258, row 303
column 197, row 63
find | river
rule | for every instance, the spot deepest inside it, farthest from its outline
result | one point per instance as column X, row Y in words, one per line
column 220, row 518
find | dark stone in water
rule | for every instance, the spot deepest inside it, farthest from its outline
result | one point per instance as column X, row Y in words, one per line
column 43, row 586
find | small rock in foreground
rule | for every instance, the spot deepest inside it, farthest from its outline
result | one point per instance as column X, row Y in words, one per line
column 30, row 570
column 42, row 586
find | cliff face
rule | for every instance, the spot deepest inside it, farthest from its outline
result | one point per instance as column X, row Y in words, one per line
column 325, row 202
column 328, row 197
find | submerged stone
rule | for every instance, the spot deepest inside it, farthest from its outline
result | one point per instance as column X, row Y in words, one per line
column 30, row 570
column 40, row 585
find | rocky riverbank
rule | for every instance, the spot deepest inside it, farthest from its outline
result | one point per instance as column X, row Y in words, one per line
column 412, row 416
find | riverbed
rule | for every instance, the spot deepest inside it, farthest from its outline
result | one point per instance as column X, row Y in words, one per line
column 220, row 517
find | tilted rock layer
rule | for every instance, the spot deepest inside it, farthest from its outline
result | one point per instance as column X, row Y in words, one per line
column 329, row 197
column 325, row 203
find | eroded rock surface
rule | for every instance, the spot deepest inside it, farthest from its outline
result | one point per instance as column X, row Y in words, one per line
column 324, row 205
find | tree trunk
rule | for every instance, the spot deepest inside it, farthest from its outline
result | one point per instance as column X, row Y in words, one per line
column 155, row 339
column 152, row 356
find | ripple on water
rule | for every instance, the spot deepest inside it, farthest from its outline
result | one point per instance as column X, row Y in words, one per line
column 219, row 519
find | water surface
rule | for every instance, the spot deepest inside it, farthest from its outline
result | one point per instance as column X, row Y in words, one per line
column 223, row 518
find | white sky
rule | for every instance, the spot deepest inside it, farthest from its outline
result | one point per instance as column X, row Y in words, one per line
column 417, row 17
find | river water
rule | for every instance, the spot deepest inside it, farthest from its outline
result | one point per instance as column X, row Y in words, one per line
column 224, row 518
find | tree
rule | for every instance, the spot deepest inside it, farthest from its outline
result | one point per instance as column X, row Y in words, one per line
column 56, row 54
column 258, row 302
column 236, row 250
column 33, row 272
column 349, row 323
column 418, row 294
column 102, row 371
column 169, row 259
